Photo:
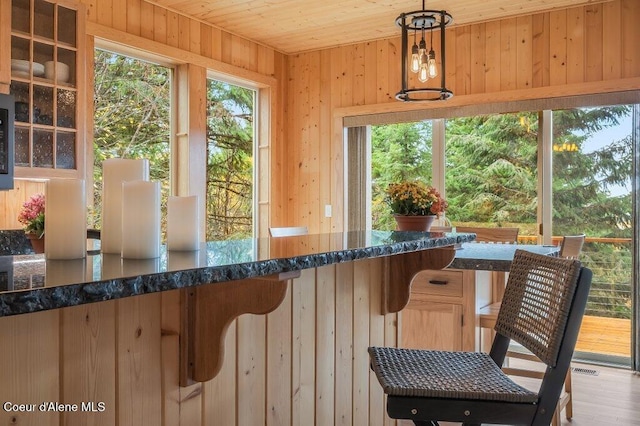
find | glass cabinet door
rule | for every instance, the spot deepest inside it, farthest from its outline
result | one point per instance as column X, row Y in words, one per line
column 44, row 60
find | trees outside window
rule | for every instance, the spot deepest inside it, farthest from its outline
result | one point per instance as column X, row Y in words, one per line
column 491, row 170
column 399, row 152
column 132, row 105
column 592, row 194
column 230, row 161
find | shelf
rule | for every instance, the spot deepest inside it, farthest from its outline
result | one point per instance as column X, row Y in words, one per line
column 47, row 110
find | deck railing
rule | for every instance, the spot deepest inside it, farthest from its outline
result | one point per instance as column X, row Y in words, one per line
column 605, row 335
column 611, row 260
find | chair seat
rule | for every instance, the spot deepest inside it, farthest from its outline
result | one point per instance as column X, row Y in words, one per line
column 438, row 374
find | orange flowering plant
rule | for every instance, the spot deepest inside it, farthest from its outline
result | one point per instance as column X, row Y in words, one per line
column 414, row 198
column 32, row 215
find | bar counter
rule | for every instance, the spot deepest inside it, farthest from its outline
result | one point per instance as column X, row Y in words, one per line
column 494, row 257
column 258, row 332
column 31, row 283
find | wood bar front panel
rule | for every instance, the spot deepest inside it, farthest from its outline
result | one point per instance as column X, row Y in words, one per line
column 304, row 363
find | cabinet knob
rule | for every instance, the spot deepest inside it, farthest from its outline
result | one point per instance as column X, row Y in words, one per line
column 438, row 282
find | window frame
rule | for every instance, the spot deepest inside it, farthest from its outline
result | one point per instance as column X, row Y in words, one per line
column 185, row 179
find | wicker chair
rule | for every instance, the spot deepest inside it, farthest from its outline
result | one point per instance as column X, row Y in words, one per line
column 542, row 310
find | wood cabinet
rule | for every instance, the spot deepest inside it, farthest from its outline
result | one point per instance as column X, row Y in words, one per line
column 441, row 313
column 47, row 82
column 5, row 46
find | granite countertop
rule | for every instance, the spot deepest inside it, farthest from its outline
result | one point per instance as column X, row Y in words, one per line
column 31, row 283
column 494, row 257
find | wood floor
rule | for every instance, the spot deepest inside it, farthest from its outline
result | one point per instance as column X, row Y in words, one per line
column 610, row 398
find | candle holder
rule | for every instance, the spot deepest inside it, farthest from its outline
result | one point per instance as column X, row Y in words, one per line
column 183, row 224
column 115, row 172
column 140, row 220
column 65, row 226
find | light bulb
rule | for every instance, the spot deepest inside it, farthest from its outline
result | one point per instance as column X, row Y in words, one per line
column 423, row 47
column 423, row 75
column 433, row 69
column 415, row 59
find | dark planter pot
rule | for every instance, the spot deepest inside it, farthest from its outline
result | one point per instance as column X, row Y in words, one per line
column 414, row 223
column 36, row 243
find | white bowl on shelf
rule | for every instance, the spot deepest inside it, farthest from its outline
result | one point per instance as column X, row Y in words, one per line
column 20, row 68
column 19, row 65
column 38, row 69
column 52, row 68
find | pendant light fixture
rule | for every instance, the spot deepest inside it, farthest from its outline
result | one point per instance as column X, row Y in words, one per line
column 422, row 62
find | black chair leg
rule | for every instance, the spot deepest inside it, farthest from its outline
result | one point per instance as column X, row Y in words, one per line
column 427, row 423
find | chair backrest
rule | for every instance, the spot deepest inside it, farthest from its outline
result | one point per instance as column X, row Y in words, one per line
column 288, row 231
column 492, row 235
column 571, row 246
column 537, row 302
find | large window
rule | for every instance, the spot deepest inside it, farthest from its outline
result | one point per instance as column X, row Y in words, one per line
column 592, row 194
column 132, row 104
column 497, row 169
column 230, row 161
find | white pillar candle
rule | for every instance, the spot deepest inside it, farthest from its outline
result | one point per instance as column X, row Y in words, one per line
column 183, row 224
column 115, row 171
column 140, row 220
column 65, row 225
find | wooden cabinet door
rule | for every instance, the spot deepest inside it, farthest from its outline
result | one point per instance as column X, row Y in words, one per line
column 5, row 45
column 431, row 325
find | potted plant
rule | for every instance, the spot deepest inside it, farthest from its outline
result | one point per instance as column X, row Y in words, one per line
column 32, row 216
column 415, row 205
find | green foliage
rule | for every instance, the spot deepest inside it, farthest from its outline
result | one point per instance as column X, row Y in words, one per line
column 131, row 118
column 229, row 161
column 400, row 152
column 491, row 168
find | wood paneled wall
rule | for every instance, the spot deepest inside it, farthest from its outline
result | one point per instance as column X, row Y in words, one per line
column 586, row 44
column 11, row 201
column 305, row 363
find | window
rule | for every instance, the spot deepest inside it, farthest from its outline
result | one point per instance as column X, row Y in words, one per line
column 571, row 170
column 398, row 152
column 132, row 104
column 592, row 194
column 491, row 170
column 230, row 161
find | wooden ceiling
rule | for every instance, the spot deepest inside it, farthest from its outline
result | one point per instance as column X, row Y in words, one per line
column 293, row 26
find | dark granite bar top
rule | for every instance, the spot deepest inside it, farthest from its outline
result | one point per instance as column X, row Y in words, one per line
column 31, row 283
column 14, row 241
column 494, row 257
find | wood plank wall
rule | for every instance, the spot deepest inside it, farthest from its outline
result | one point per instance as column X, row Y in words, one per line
column 305, row 363
column 577, row 45
column 11, row 201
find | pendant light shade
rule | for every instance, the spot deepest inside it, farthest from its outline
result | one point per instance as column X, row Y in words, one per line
column 421, row 64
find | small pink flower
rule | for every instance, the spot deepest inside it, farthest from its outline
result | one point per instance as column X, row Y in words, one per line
column 32, row 214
